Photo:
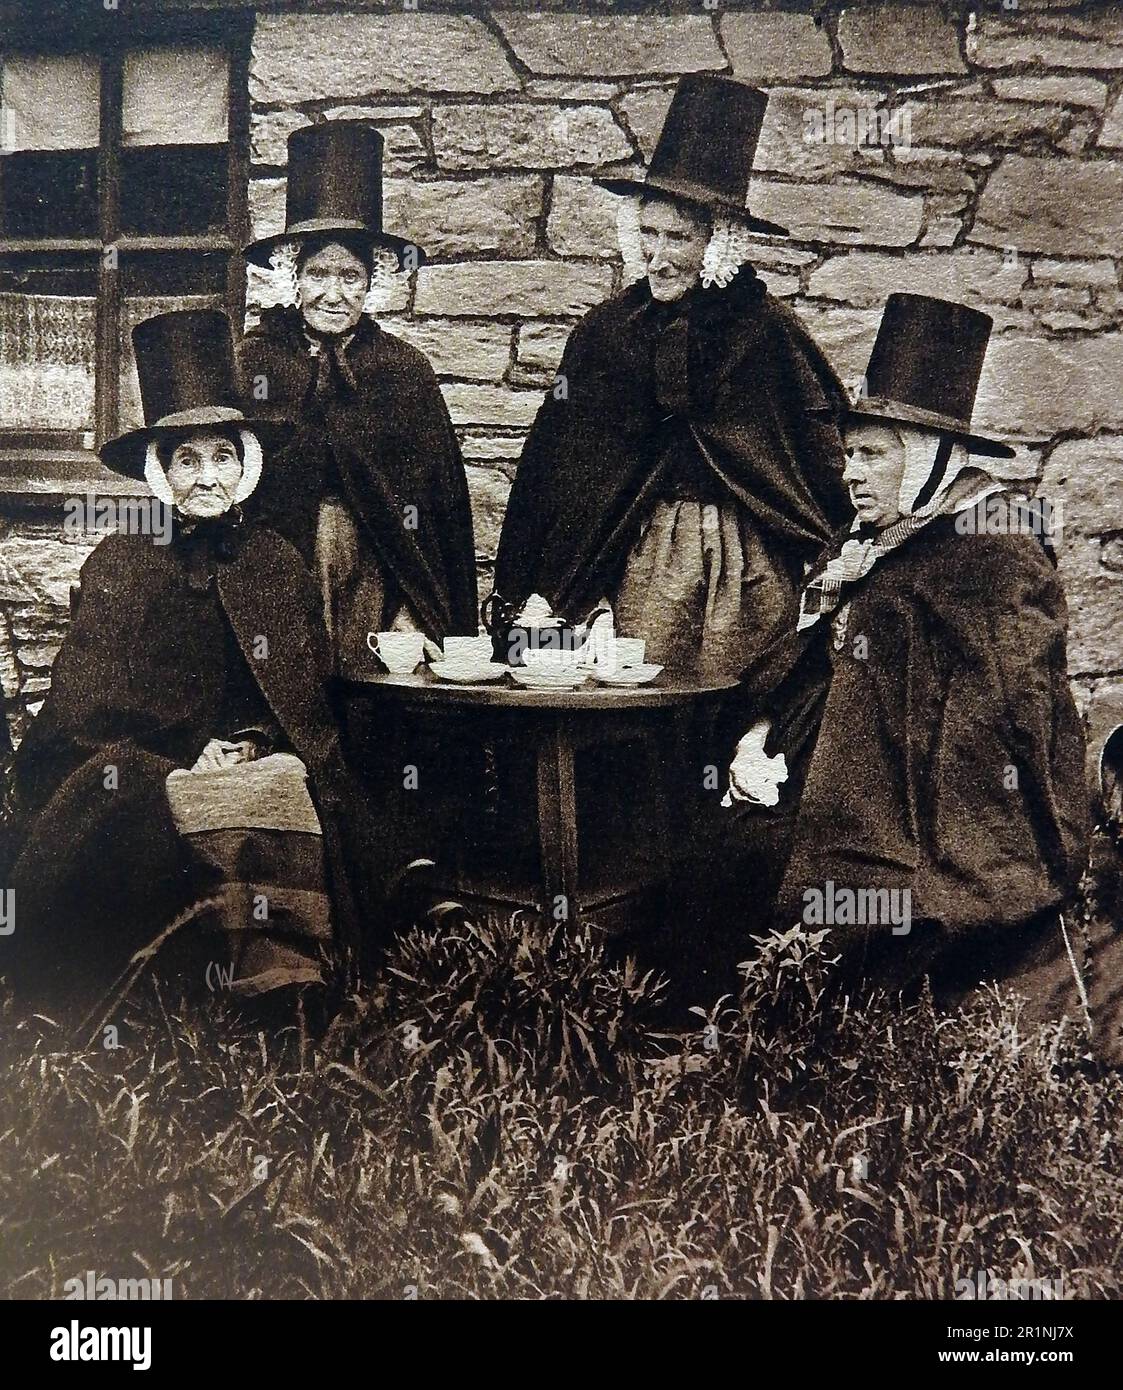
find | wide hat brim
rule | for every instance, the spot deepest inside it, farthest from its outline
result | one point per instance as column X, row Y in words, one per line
column 695, row 195
column 125, row 454
column 259, row 252
column 878, row 408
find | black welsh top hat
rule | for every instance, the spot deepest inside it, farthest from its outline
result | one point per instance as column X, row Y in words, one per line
column 925, row 366
column 185, row 366
column 334, row 185
column 704, row 155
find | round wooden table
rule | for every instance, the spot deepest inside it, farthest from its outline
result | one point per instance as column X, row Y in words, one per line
column 556, row 725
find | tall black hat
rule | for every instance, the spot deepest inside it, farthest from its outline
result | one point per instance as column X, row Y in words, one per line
column 185, row 366
column 334, row 185
column 925, row 366
column 704, row 155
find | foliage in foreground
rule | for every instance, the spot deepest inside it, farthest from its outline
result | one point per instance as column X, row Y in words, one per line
column 503, row 1117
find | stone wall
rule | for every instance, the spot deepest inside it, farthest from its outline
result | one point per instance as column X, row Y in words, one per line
column 1007, row 196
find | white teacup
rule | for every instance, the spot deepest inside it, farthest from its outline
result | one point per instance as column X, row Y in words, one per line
column 548, row 661
column 630, row 651
column 467, row 653
column 399, row 652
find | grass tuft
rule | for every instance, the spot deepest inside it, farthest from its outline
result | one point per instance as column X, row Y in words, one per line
column 504, row 1116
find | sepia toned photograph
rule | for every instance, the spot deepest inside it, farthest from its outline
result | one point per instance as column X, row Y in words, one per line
column 561, row 644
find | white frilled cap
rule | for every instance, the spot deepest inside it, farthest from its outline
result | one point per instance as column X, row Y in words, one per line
column 157, row 479
column 278, row 284
column 726, row 252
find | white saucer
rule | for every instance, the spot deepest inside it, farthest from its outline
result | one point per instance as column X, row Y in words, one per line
column 461, row 675
column 536, row 681
column 629, row 675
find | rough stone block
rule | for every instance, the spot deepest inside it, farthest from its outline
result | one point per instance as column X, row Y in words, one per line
column 471, row 351
column 936, row 170
column 267, row 206
column 568, row 89
column 541, row 345
column 42, row 566
column 819, row 133
column 1084, row 475
column 1092, row 40
column 1095, row 606
column 491, row 405
column 529, row 289
column 1070, row 90
column 899, row 39
column 780, row 286
column 1038, row 204
column 865, row 278
column 778, row 255
column 500, row 449
column 774, row 47
column 1111, row 135
column 13, row 587
column 310, row 57
column 979, row 121
column 582, row 219
column 38, row 655
column 486, row 216
column 488, row 489
column 943, row 220
column 41, row 622
column 851, row 213
column 1037, row 387
column 845, row 335
column 536, row 135
column 611, row 45
column 269, row 133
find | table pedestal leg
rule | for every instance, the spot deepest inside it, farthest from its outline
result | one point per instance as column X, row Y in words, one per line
column 557, row 824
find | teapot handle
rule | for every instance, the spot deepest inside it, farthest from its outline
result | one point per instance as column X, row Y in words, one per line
column 495, row 612
column 587, row 626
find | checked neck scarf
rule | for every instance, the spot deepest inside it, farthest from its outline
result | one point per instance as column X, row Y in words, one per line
column 865, row 548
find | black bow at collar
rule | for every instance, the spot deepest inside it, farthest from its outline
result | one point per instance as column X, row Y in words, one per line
column 207, row 542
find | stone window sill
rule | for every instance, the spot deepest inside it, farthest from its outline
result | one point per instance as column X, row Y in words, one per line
column 31, row 478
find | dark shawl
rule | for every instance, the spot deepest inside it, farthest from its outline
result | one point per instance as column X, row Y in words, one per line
column 732, row 375
column 963, row 683
column 143, row 680
column 385, row 440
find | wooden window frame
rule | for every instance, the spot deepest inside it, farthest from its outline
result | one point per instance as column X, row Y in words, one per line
column 42, row 462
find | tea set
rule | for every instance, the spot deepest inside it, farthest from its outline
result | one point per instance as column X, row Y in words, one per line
column 539, row 651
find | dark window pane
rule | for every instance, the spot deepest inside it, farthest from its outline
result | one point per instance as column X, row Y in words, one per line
column 173, row 272
column 54, row 273
column 154, row 283
column 174, row 190
column 49, row 194
column 48, row 139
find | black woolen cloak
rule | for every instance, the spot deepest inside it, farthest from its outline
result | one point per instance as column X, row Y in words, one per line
column 948, row 757
column 139, row 685
column 735, row 375
column 387, row 442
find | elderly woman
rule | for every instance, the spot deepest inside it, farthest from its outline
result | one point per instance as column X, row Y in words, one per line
column 915, row 782
column 371, row 488
column 186, row 756
column 686, row 464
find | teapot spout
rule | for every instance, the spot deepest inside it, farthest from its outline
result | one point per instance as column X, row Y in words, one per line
column 582, row 631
